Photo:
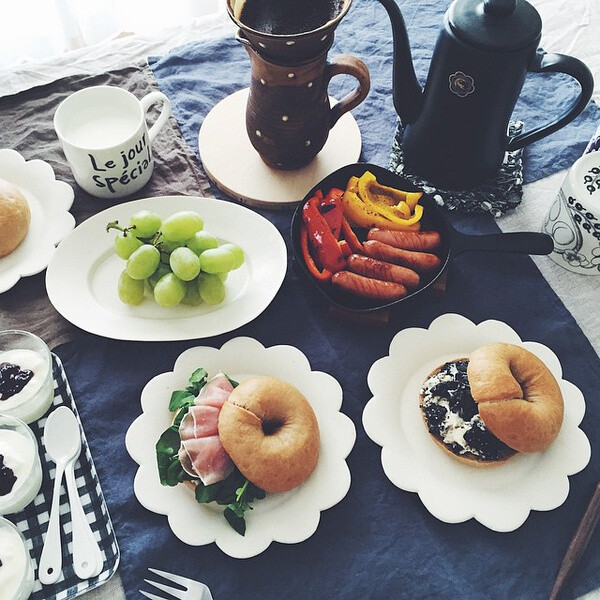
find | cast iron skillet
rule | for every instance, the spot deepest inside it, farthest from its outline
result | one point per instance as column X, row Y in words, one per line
column 434, row 219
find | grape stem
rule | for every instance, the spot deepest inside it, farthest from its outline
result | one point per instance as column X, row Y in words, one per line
column 115, row 225
column 152, row 240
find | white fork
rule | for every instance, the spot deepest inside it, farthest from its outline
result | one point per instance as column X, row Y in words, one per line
column 192, row 590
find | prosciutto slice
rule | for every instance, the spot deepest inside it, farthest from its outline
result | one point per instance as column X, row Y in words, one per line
column 201, row 453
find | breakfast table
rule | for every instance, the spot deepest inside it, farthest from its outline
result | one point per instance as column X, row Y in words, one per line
column 379, row 541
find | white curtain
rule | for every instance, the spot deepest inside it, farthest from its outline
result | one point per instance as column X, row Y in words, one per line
column 35, row 29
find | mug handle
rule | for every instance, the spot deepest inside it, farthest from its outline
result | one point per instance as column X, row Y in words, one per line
column 348, row 65
column 558, row 63
column 165, row 112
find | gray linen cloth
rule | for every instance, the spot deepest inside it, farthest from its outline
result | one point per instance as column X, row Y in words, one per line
column 26, row 125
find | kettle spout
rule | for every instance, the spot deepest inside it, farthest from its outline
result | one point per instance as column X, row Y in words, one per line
column 407, row 91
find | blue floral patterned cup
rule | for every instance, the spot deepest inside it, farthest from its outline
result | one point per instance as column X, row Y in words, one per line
column 573, row 220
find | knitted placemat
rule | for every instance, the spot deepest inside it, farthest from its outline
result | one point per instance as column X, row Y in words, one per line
column 496, row 196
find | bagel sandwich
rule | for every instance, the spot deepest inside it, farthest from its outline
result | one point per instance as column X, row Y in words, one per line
column 485, row 409
column 232, row 443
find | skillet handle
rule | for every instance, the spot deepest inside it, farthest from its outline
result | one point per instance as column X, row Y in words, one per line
column 517, row 243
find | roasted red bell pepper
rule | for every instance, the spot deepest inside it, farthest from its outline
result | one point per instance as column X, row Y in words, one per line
column 332, row 209
column 323, row 275
column 327, row 250
column 351, row 238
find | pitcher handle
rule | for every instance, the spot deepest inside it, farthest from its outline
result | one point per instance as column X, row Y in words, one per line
column 348, row 65
column 558, row 63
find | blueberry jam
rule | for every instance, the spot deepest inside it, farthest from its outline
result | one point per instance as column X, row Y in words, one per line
column 7, row 478
column 452, row 416
column 12, row 379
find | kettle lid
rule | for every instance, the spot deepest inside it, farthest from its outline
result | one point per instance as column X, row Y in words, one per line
column 495, row 25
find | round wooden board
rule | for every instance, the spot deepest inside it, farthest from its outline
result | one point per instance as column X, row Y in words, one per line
column 236, row 168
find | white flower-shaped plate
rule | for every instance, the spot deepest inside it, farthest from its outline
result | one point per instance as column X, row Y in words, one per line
column 288, row 517
column 49, row 202
column 499, row 497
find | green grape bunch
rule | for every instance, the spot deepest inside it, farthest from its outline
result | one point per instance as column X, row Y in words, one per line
column 175, row 261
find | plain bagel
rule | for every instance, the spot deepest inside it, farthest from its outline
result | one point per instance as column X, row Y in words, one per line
column 271, row 433
column 518, row 398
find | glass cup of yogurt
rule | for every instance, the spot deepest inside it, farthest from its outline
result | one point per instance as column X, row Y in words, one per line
column 26, row 380
column 16, row 573
column 20, row 465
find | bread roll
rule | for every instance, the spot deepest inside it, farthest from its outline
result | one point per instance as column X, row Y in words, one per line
column 15, row 217
column 271, row 433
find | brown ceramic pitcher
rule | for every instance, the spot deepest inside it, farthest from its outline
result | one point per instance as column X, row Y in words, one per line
column 288, row 114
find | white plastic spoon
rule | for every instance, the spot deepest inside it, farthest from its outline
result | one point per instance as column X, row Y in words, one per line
column 63, row 445
column 87, row 556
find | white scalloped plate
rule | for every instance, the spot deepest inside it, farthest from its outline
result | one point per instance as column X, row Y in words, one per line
column 500, row 497
column 289, row 517
column 49, row 202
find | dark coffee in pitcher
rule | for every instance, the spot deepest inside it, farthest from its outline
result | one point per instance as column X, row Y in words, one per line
column 289, row 17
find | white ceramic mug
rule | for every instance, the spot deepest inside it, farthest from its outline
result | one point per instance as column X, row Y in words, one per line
column 106, row 139
column 573, row 220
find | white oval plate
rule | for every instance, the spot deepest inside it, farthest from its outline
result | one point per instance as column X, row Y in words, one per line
column 289, row 517
column 82, row 277
column 49, row 202
column 500, row 497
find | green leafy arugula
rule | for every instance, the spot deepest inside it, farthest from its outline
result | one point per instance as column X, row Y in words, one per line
column 185, row 398
column 235, row 492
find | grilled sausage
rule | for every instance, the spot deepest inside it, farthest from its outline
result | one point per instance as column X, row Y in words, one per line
column 407, row 240
column 377, row 269
column 419, row 261
column 374, row 289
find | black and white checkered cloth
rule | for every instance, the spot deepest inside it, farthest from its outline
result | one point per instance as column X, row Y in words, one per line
column 33, row 520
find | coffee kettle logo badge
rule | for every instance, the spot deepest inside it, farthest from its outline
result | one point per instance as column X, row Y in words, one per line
column 461, row 84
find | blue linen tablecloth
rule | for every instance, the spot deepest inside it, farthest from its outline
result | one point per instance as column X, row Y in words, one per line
column 199, row 75
column 380, row 542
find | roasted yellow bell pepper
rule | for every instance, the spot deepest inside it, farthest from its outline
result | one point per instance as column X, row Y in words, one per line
column 412, row 198
column 370, row 189
column 368, row 203
column 352, row 185
column 363, row 215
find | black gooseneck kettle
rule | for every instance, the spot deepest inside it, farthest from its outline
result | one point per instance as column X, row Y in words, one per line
column 455, row 129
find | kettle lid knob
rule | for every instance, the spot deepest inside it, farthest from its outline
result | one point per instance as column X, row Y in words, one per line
column 495, row 25
column 499, row 7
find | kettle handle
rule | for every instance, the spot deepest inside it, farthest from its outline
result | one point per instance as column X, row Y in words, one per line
column 521, row 242
column 558, row 63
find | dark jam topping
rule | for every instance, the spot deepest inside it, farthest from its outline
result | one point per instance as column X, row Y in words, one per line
column 457, row 392
column 435, row 415
column 489, row 446
column 7, row 478
column 12, row 379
